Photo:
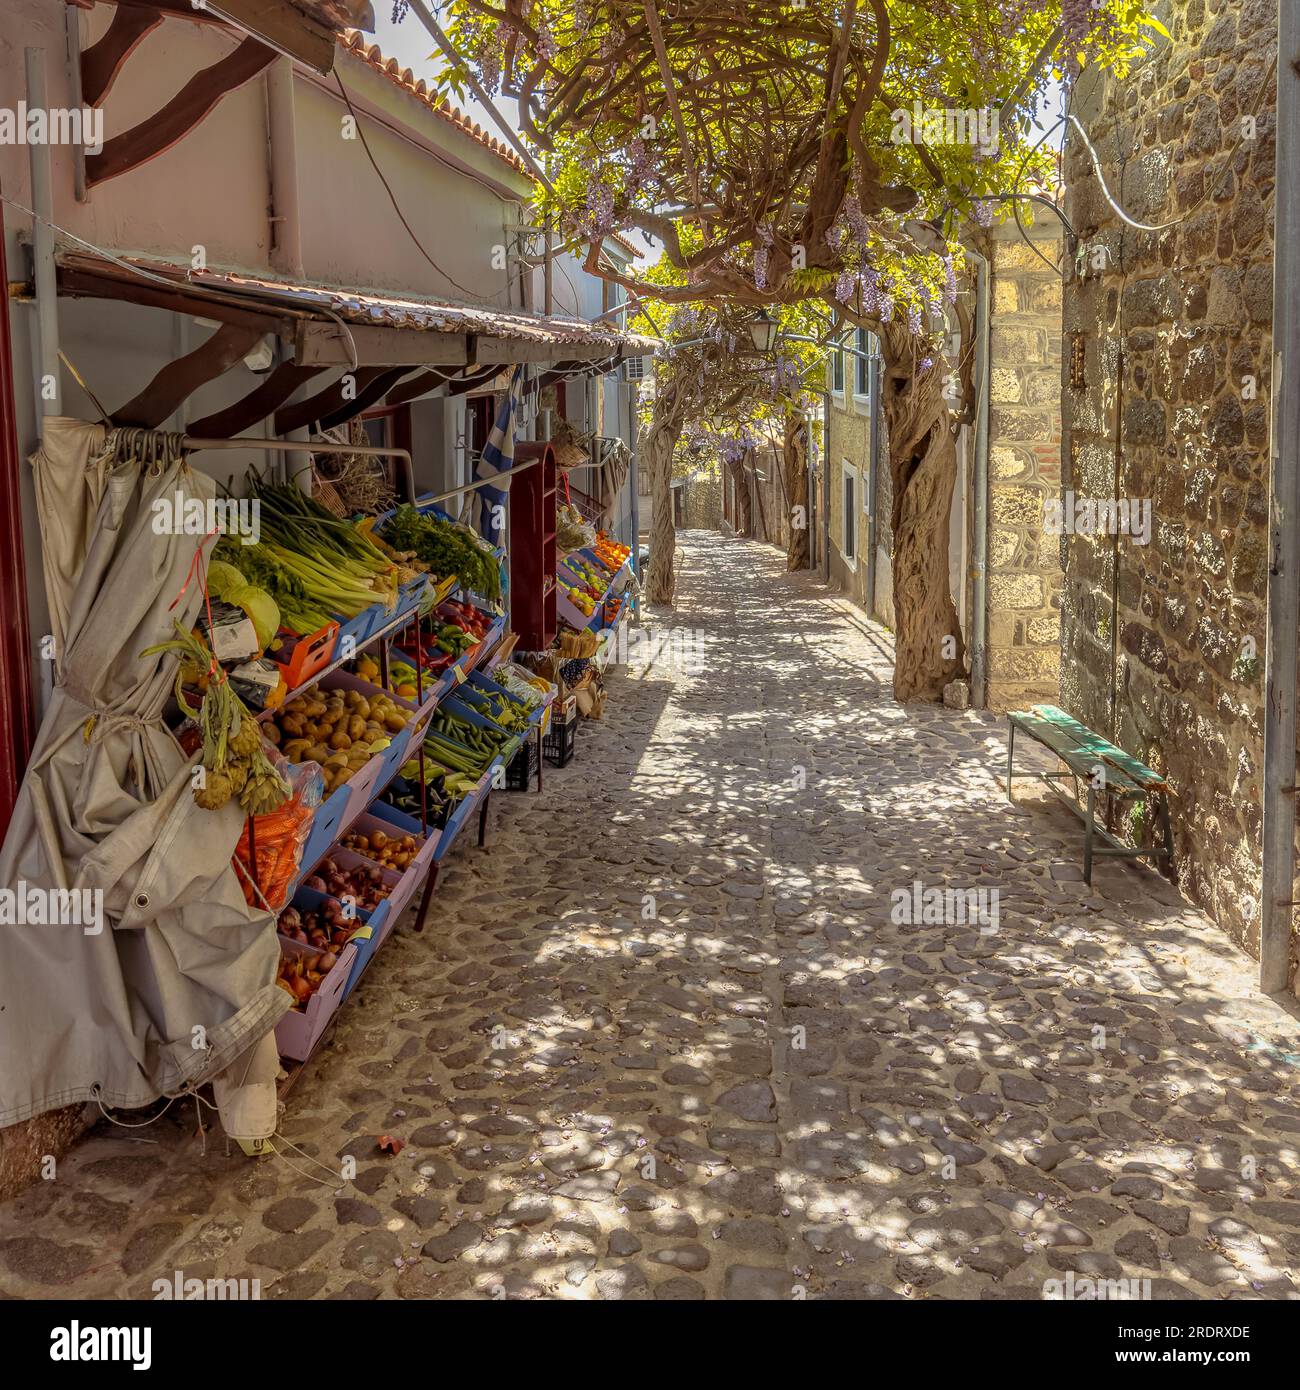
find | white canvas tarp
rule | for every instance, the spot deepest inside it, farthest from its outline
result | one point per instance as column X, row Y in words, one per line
column 180, row 980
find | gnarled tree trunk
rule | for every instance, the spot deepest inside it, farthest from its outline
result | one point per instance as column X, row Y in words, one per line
column 661, row 439
column 796, row 489
column 929, row 651
column 744, row 498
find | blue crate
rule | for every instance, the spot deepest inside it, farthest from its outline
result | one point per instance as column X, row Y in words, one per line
column 366, row 945
column 486, row 682
column 359, row 629
column 324, row 831
column 457, row 705
column 468, row 806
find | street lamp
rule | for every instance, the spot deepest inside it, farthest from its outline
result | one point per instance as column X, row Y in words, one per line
column 762, row 329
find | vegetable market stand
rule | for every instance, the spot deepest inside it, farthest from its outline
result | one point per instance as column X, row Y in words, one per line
column 358, row 806
column 352, row 804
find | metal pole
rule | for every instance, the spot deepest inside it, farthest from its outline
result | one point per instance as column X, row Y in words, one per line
column 980, row 549
column 286, row 231
column 47, row 304
column 72, row 35
column 633, row 481
column 197, row 445
column 826, row 487
column 873, row 480
column 295, row 446
column 1278, row 842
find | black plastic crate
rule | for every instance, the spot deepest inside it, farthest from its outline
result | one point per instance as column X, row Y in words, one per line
column 522, row 768
column 560, row 742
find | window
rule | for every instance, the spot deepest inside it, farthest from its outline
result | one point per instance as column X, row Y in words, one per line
column 849, row 519
column 837, row 372
column 862, row 380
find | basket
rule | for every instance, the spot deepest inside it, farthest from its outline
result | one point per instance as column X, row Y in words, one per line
column 578, row 644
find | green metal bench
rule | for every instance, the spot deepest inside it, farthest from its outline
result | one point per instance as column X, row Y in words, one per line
column 1107, row 770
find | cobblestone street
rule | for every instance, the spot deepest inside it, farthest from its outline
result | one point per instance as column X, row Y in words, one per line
column 768, row 1089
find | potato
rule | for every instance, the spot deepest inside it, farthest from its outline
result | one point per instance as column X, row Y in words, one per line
column 296, row 749
column 395, row 722
column 293, row 725
column 356, row 727
column 271, row 733
column 318, row 753
column 362, row 706
column 315, row 708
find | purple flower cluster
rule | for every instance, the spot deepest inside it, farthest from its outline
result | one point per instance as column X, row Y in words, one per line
column 982, row 211
column 599, row 215
column 639, row 163
column 734, row 447
column 546, row 47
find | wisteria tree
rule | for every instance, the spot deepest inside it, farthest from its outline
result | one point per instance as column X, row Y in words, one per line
column 714, row 388
column 833, row 151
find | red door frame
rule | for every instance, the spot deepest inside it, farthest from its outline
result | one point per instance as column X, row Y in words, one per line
column 18, row 730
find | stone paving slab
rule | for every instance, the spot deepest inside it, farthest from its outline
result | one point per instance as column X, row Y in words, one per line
column 680, row 1034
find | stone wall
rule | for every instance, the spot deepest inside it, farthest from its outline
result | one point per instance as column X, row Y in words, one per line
column 704, row 502
column 850, row 438
column 1024, row 562
column 1163, row 643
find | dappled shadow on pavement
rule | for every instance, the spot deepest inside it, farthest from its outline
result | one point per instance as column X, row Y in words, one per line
column 666, row 1040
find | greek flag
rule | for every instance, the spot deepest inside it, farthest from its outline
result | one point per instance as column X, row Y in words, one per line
column 498, row 455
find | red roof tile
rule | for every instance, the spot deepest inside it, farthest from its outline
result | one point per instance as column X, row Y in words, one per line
column 355, row 42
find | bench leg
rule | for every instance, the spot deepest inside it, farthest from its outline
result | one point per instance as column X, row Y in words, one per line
column 1163, row 814
column 1011, row 747
column 1087, row 836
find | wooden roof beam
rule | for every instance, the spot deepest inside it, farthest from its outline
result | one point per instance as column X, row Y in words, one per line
column 326, row 401
column 365, row 398
column 180, row 115
column 102, row 61
column 267, row 396
column 178, row 380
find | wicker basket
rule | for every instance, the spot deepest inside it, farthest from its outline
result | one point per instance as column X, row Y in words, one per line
column 569, row 449
column 578, row 644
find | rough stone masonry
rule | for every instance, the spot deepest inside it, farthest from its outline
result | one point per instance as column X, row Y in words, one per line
column 1162, row 644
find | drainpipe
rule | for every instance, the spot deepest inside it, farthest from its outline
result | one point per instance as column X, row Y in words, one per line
column 15, row 637
column 826, row 487
column 980, row 549
column 873, row 475
column 635, row 434
column 1277, row 848
column 282, row 133
column 46, row 347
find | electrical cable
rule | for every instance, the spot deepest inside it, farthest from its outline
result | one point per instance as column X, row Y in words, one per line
column 164, row 281
column 1227, row 165
column 392, row 198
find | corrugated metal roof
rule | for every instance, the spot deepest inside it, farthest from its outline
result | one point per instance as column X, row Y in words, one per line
column 428, row 315
column 380, row 309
